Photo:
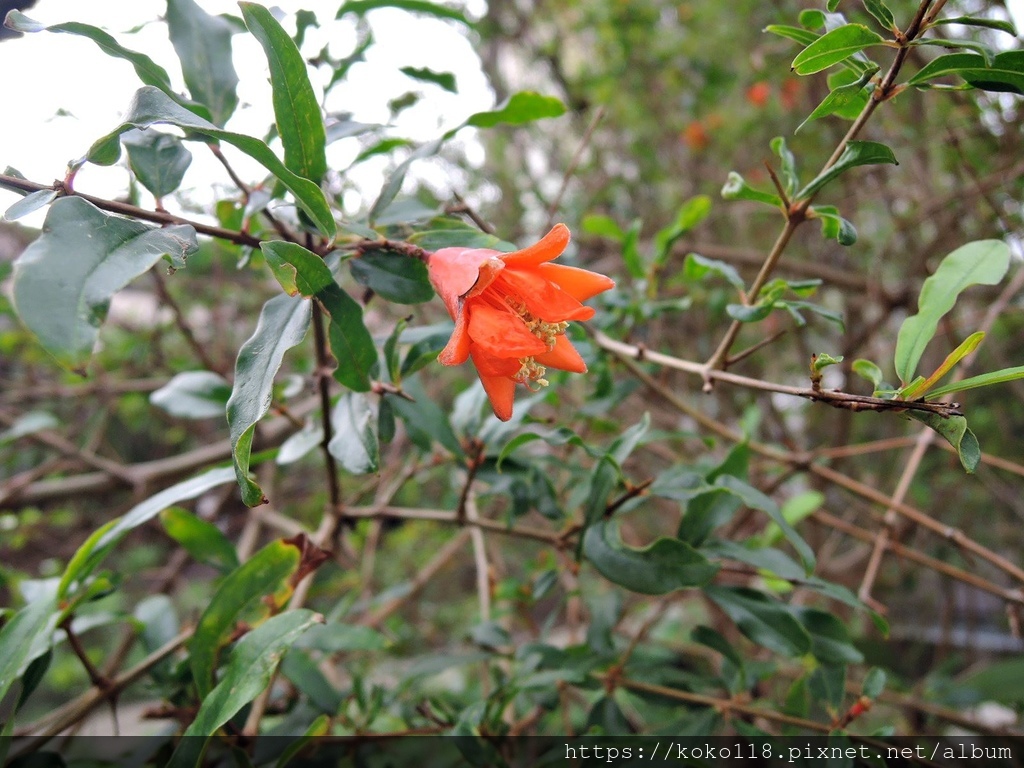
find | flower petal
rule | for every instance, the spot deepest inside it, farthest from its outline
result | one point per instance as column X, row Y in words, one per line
column 542, row 298
column 581, row 284
column 454, row 272
column 550, row 247
column 501, row 392
column 456, row 350
column 501, row 333
column 564, row 357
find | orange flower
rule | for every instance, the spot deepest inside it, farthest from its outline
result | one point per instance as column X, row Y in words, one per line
column 511, row 311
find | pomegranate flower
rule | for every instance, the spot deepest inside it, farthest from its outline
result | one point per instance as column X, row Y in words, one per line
column 511, row 311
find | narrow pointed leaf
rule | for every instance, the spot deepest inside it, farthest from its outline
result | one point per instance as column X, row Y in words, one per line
column 249, row 671
column 833, row 47
column 350, row 341
column 151, row 107
column 736, row 188
column 29, row 204
column 438, row 10
column 241, row 595
column 881, row 13
column 661, row 567
column 982, row 380
column 965, row 348
column 974, row 21
column 856, row 153
column 842, row 97
column 763, row 620
column 24, row 638
column 983, row 262
column 522, row 107
column 203, row 45
column 64, row 300
column 201, row 539
column 282, row 324
column 296, row 108
column 1006, row 72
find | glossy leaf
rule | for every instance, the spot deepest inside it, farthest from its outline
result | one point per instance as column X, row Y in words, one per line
column 282, row 324
column 661, row 567
column 158, row 160
column 868, row 370
column 151, row 107
column 881, row 13
column 92, row 552
column 355, row 444
column 975, row 21
column 242, row 595
column 966, row 347
column 856, row 153
column 520, row 108
column 830, row 639
column 834, row 226
column 1006, row 72
column 201, row 539
column 983, row 262
column 62, row 300
column 842, row 97
column 147, row 70
column 697, row 267
column 203, row 45
column 833, row 47
column 300, row 443
column 395, row 277
column 24, row 638
column 756, row 500
column 957, row 434
column 438, row 10
column 249, row 670
column 798, row 35
column 763, row 620
column 193, row 395
column 30, row 203
column 981, row 380
column 736, row 188
column 296, row 107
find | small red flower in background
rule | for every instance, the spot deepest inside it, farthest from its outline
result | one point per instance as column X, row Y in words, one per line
column 511, row 311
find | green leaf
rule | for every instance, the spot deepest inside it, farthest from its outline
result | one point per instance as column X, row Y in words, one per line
column 981, row 380
column 299, row 269
column 203, row 45
column 983, row 262
column 957, row 434
column 716, row 641
column 624, row 444
column 241, row 596
column 282, row 324
column 424, row 420
column 151, row 107
column 520, row 108
column 736, row 188
column 24, row 638
column 788, row 164
column 763, row 620
column 803, row 36
column 881, row 14
column 602, row 226
column 824, row 360
column 834, row 226
column 394, row 182
column 29, row 204
column 98, row 545
column 296, row 108
column 147, row 70
column 750, row 314
column 203, row 540
column 1006, row 72
column 856, row 153
column 984, row 51
column 62, row 300
column 874, row 683
column 193, row 395
column 966, row 347
column 437, row 10
column 868, row 370
column 974, row 21
column 842, row 97
column 396, row 277
column 603, row 479
column 830, row 639
column 697, row 267
column 343, row 638
column 833, row 47
column 445, row 80
column 355, row 442
column 249, row 670
column 663, row 566
column 756, row 500
column 690, row 214
column 158, row 160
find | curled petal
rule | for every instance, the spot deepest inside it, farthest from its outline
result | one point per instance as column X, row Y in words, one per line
column 454, row 272
column 564, row 357
column 542, row 298
column 501, row 391
column 581, row 284
column 550, row 247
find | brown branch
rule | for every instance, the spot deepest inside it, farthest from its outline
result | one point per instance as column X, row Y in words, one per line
column 198, row 349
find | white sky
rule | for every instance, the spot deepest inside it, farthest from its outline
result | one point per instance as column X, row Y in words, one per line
column 44, row 73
